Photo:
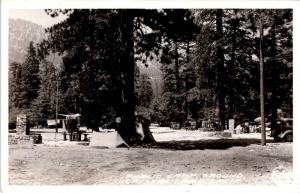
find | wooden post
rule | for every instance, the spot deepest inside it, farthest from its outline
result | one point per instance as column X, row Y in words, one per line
column 56, row 107
column 262, row 101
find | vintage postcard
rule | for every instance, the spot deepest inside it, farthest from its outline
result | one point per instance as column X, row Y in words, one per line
column 149, row 96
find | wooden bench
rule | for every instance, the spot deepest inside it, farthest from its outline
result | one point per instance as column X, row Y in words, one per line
column 75, row 136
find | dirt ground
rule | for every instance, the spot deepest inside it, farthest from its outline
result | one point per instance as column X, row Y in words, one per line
column 243, row 161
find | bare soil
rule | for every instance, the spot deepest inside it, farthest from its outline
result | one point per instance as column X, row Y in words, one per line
column 243, row 161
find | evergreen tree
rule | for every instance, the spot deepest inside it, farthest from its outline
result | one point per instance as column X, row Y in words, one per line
column 208, row 59
column 240, row 49
column 30, row 79
column 14, row 90
column 45, row 105
column 242, row 81
column 144, row 91
column 175, row 56
column 277, row 51
column 88, row 74
column 280, row 22
column 14, row 85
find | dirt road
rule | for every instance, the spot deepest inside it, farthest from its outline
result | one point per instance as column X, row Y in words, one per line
column 83, row 165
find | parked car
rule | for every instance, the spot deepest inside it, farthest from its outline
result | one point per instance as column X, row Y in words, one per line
column 283, row 130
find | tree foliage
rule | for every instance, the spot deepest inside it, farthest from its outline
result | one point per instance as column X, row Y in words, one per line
column 30, row 79
column 24, row 84
column 100, row 47
column 45, row 104
column 241, row 48
column 209, row 62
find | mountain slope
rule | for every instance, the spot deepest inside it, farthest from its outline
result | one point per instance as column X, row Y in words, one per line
column 21, row 32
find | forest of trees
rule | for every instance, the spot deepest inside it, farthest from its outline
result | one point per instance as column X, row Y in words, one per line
column 209, row 60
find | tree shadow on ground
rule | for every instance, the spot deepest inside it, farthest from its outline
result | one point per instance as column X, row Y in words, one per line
column 208, row 144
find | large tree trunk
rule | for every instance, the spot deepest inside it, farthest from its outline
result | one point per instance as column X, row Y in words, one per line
column 187, row 80
column 262, row 90
column 177, row 66
column 274, row 85
column 231, row 70
column 148, row 137
column 220, row 90
column 126, row 108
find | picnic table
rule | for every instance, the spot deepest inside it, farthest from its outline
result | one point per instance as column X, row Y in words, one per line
column 76, row 136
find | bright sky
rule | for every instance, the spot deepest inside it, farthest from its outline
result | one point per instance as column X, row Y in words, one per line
column 37, row 16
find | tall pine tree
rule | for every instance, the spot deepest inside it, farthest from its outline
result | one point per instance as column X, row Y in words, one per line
column 30, row 78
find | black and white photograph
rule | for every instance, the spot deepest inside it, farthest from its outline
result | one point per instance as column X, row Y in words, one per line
column 149, row 96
